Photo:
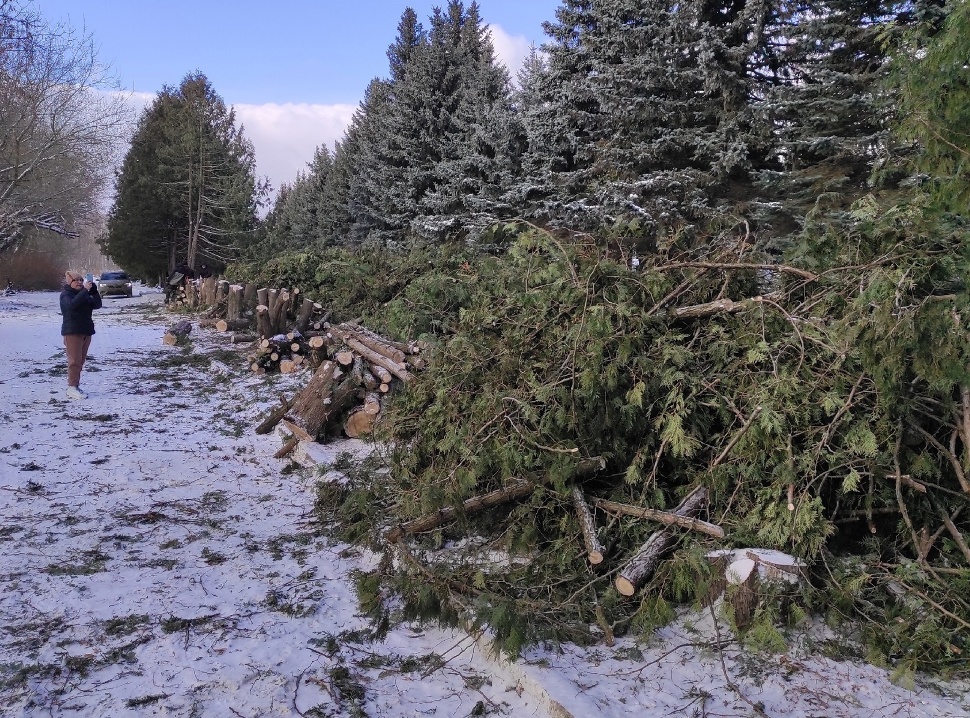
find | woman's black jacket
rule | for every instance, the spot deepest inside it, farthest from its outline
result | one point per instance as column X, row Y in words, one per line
column 76, row 308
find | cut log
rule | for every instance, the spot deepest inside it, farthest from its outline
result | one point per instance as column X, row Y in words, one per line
column 664, row 517
column 241, row 338
column 311, row 405
column 288, row 447
column 249, row 297
column 263, row 326
column 374, row 358
column 303, row 316
column 742, row 590
column 344, row 358
column 594, row 550
column 234, row 303
column 473, row 505
column 177, row 332
column 368, row 381
column 275, row 416
column 641, row 566
column 359, row 423
column 277, row 309
column 372, row 404
column 360, row 330
column 317, row 342
column 287, row 366
column 375, row 343
column 382, row 374
column 231, row 325
column 221, row 292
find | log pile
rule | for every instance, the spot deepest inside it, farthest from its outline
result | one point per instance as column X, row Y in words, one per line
column 285, row 353
column 355, row 369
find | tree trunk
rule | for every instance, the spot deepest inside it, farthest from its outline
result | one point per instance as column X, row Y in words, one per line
column 263, row 326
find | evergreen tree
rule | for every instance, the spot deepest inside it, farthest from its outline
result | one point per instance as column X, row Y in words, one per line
column 935, row 100
column 645, row 111
column 477, row 158
column 826, row 100
column 297, row 213
column 187, row 188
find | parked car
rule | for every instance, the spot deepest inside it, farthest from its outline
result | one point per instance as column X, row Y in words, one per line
column 114, row 283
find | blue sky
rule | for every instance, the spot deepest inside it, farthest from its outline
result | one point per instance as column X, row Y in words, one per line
column 293, row 69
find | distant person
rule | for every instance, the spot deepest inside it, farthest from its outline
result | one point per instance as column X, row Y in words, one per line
column 78, row 300
column 205, row 271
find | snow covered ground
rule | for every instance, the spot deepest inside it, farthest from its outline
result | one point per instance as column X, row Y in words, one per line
column 155, row 559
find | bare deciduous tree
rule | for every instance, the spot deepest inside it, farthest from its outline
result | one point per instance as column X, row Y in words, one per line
column 61, row 125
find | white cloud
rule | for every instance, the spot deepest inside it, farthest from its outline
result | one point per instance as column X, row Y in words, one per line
column 510, row 50
column 285, row 136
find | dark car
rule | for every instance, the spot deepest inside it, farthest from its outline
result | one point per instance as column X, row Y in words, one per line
column 114, row 283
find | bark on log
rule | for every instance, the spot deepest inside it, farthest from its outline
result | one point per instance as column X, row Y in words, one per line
column 315, row 420
column 221, row 293
column 306, row 311
column 289, row 446
column 274, row 417
column 643, row 563
column 375, row 343
column 311, row 406
column 382, row 374
column 249, row 297
column 263, row 326
column 277, row 310
column 372, row 404
column 241, row 338
column 230, row 325
column 208, row 291
column 234, row 303
column 664, row 517
column 406, row 347
column 594, row 549
column 262, row 296
column 177, row 333
column 470, row 506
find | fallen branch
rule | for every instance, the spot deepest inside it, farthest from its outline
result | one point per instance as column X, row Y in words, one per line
column 470, row 506
column 664, row 517
column 638, row 568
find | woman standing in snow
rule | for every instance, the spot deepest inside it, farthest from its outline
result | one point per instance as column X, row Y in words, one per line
column 78, row 300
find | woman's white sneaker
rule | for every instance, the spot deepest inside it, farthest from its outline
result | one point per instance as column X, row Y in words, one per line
column 74, row 393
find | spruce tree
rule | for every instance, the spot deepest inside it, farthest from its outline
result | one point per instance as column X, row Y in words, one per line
column 645, row 113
